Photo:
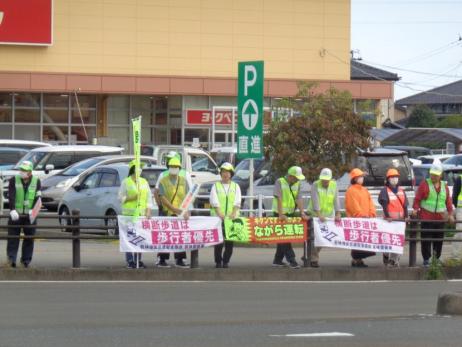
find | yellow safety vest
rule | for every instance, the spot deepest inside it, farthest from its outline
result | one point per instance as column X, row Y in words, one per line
column 129, row 207
column 174, row 192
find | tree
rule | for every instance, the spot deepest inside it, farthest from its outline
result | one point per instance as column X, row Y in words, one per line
column 323, row 132
column 422, row 117
column 453, row 121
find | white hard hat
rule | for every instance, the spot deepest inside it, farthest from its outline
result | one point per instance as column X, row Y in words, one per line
column 436, row 169
column 326, row 174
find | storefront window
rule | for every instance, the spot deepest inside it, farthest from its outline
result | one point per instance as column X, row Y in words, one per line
column 6, row 131
column 6, row 115
column 27, row 115
column 78, row 133
column 119, row 136
column 27, row 100
column 6, row 100
column 118, row 109
column 55, row 116
column 60, row 101
column 27, row 132
column 56, row 133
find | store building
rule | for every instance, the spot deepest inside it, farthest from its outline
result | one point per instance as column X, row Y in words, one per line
column 83, row 68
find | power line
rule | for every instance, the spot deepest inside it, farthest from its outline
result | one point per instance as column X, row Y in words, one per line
column 382, row 79
column 412, row 71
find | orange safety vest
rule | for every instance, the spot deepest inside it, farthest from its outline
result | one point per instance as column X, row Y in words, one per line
column 396, row 203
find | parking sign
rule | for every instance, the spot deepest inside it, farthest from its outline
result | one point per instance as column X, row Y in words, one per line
column 250, row 110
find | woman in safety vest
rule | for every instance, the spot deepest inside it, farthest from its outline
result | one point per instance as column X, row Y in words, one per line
column 431, row 203
column 136, row 199
column 225, row 202
column 394, row 202
column 359, row 204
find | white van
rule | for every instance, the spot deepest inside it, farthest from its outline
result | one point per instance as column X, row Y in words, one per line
column 23, row 144
column 196, row 161
column 50, row 160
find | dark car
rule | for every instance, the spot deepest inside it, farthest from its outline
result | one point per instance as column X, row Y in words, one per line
column 412, row 151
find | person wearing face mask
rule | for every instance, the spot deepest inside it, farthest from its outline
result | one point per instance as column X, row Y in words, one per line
column 394, row 202
column 431, row 203
column 135, row 198
column 359, row 204
column 225, row 202
column 324, row 204
column 287, row 199
column 24, row 190
column 183, row 173
column 172, row 191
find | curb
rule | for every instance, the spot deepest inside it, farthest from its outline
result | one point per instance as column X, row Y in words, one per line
column 449, row 303
column 236, row 274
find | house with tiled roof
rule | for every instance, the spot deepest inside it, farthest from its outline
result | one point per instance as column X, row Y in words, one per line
column 444, row 100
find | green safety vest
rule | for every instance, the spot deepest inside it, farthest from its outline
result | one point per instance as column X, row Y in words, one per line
column 459, row 198
column 174, row 192
column 23, row 202
column 326, row 198
column 129, row 207
column 289, row 197
column 226, row 200
column 435, row 202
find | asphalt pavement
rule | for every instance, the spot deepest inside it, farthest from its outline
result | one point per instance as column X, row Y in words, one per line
column 225, row 314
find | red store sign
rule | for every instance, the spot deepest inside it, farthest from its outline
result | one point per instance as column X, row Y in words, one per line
column 26, row 22
column 204, row 117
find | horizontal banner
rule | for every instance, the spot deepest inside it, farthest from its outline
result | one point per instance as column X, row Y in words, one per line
column 168, row 234
column 266, row 230
column 364, row 234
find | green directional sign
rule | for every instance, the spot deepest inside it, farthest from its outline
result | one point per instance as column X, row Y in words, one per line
column 250, row 110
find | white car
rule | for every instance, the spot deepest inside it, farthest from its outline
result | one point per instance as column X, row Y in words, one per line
column 96, row 194
column 197, row 162
column 23, row 144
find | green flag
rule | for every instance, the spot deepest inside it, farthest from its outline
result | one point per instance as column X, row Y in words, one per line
column 136, row 125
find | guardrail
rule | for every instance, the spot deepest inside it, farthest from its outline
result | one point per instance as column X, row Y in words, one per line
column 74, row 234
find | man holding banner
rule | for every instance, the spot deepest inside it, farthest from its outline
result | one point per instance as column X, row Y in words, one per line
column 225, row 202
column 286, row 200
column 172, row 191
column 136, row 199
column 324, row 204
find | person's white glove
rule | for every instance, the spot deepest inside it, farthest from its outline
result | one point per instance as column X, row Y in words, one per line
column 14, row 215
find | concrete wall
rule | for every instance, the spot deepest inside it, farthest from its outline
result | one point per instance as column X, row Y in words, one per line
column 192, row 38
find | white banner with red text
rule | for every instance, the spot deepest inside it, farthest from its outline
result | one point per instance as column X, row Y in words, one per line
column 168, row 234
column 364, row 234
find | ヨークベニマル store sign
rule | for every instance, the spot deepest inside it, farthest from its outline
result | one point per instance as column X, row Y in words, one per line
column 204, row 117
column 26, row 22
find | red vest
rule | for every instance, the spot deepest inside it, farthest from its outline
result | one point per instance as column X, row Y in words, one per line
column 396, row 203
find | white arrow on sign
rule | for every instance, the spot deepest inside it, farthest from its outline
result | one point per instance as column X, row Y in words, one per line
column 250, row 114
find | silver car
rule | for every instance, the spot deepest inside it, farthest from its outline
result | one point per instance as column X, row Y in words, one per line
column 54, row 187
column 95, row 194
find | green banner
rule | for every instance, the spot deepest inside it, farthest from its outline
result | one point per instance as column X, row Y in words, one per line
column 266, row 230
column 250, row 109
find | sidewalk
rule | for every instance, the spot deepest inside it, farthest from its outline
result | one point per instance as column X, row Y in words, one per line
column 103, row 261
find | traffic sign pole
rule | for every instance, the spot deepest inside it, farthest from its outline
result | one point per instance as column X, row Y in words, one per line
column 250, row 115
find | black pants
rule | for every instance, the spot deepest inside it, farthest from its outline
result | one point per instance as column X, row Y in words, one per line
column 284, row 249
column 166, row 256
column 12, row 245
column 356, row 255
column 225, row 256
column 427, row 245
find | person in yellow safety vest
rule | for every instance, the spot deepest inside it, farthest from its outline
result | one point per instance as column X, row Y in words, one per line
column 172, row 191
column 225, row 202
column 286, row 200
column 135, row 200
column 431, row 203
column 457, row 202
column 24, row 190
column 183, row 173
column 394, row 203
column 324, row 204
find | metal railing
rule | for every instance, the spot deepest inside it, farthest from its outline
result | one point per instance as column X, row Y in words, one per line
column 74, row 233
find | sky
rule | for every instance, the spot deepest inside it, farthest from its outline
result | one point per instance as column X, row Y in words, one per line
column 402, row 35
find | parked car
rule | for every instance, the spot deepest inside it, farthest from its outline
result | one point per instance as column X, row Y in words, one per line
column 412, row 151
column 454, row 160
column 197, row 162
column 23, row 144
column 54, row 187
column 429, row 159
column 48, row 161
column 450, row 173
column 9, row 156
column 225, row 154
column 96, row 194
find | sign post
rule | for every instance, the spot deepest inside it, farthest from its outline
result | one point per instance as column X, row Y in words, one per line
column 250, row 115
